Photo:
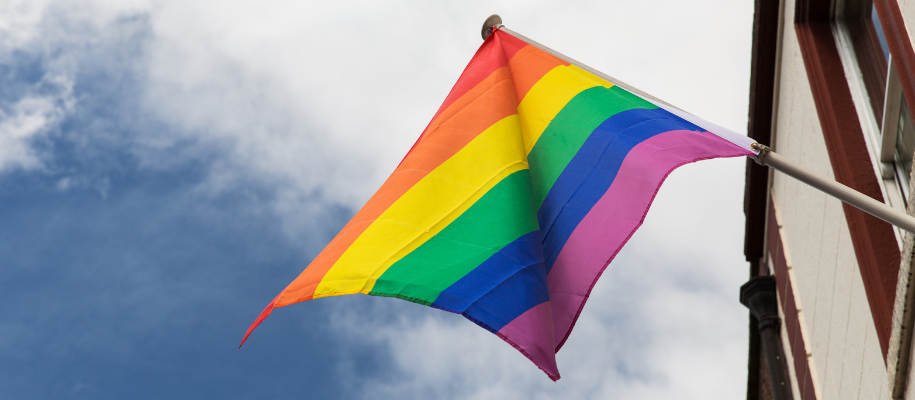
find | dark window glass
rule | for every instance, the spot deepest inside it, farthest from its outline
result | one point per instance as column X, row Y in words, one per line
column 905, row 142
column 878, row 27
column 867, row 39
column 873, row 55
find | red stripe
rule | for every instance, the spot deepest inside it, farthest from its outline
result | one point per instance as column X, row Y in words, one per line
column 495, row 52
column 260, row 318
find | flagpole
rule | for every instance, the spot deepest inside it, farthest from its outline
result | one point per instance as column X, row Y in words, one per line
column 835, row 189
column 766, row 156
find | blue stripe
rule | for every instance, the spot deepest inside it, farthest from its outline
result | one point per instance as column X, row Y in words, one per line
column 588, row 176
column 503, row 287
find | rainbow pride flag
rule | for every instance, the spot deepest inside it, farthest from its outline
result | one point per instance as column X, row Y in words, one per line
column 529, row 179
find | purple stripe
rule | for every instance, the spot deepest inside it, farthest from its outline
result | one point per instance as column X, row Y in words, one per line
column 593, row 169
column 619, row 212
column 528, row 335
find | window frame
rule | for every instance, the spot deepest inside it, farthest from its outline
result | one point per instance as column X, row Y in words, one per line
column 862, row 58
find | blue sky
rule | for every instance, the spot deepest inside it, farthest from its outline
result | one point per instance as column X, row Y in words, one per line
column 167, row 167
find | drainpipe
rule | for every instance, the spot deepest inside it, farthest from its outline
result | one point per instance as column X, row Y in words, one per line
column 759, row 296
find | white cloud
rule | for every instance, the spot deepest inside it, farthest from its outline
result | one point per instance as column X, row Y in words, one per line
column 19, row 20
column 22, row 123
column 23, row 120
column 319, row 101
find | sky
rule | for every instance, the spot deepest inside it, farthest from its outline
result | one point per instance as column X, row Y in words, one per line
column 168, row 166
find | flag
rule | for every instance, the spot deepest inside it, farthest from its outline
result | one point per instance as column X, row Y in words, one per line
column 526, row 183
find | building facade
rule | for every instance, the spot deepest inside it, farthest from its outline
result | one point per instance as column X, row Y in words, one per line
column 829, row 88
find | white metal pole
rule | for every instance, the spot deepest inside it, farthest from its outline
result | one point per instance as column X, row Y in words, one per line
column 766, row 155
column 835, row 189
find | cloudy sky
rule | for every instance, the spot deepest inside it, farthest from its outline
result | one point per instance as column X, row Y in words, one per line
column 168, row 166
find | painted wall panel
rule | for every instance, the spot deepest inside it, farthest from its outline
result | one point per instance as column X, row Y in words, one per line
column 907, row 7
column 831, row 337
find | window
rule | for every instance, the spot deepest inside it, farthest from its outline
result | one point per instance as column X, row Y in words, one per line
column 893, row 136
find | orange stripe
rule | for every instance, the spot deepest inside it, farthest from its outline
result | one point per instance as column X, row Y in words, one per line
column 528, row 66
column 481, row 107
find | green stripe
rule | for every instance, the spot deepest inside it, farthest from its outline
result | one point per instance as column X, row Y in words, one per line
column 502, row 215
column 568, row 131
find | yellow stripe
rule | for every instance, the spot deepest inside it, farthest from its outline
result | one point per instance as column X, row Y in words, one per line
column 427, row 208
column 549, row 95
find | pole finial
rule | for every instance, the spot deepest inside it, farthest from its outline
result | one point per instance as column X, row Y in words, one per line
column 488, row 25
